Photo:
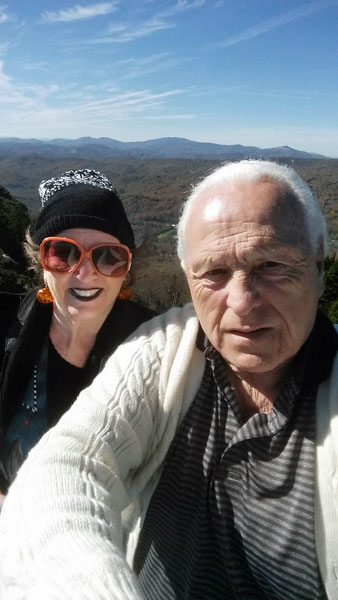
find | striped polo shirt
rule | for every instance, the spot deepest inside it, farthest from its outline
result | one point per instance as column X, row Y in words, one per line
column 232, row 516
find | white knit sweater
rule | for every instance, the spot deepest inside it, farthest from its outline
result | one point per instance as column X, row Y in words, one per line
column 61, row 530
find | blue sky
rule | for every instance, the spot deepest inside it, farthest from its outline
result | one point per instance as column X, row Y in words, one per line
column 251, row 72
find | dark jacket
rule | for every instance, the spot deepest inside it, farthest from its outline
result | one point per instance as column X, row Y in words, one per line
column 24, row 326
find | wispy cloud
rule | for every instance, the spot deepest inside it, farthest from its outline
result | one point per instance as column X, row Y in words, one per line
column 4, row 48
column 96, row 114
column 128, row 32
column 275, row 22
column 20, row 96
column 4, row 15
column 43, row 105
column 4, row 79
column 292, row 94
column 79, row 12
column 182, row 6
column 171, row 117
column 125, row 32
column 34, row 66
column 124, row 104
column 138, row 67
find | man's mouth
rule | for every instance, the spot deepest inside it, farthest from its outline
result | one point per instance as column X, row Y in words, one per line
column 249, row 331
column 85, row 295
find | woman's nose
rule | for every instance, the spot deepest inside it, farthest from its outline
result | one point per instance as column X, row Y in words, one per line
column 85, row 268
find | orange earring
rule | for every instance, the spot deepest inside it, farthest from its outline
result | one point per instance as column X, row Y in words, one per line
column 125, row 293
column 44, row 295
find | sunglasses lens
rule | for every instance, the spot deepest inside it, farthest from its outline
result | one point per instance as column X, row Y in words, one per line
column 60, row 256
column 112, row 261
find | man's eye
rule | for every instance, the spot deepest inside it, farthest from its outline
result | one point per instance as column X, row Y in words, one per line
column 216, row 273
column 272, row 268
column 269, row 265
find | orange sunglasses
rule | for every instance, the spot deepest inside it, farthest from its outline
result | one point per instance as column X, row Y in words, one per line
column 63, row 255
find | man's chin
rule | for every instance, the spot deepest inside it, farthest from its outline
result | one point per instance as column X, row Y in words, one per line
column 251, row 363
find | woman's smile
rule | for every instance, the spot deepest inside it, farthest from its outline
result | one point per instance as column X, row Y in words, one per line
column 85, row 294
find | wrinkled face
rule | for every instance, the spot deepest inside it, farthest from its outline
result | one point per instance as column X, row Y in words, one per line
column 253, row 278
column 84, row 293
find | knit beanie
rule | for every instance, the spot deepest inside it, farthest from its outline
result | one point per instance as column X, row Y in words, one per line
column 83, row 198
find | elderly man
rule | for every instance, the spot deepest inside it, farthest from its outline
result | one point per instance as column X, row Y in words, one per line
column 206, row 450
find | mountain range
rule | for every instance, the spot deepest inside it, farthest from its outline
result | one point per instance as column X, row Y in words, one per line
column 162, row 148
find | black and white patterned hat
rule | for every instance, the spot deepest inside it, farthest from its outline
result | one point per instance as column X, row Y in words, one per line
column 81, row 198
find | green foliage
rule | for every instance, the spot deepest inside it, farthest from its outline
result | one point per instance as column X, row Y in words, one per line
column 333, row 312
column 329, row 299
column 13, row 277
column 14, row 220
column 152, row 192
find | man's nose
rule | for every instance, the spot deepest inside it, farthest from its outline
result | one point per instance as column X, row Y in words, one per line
column 242, row 293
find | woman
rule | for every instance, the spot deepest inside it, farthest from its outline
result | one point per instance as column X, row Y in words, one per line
column 58, row 338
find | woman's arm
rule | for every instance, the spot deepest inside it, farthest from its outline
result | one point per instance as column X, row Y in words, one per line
column 61, row 530
column 61, row 522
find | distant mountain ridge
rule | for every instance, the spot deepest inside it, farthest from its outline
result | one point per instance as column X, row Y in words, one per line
column 162, row 148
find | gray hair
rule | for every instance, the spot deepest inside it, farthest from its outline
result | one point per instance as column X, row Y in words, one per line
column 254, row 170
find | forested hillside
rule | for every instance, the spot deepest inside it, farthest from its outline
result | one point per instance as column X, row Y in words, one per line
column 152, row 192
column 14, row 220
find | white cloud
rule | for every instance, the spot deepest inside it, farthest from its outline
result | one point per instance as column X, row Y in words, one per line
column 274, row 22
column 4, row 48
column 4, row 79
column 21, row 97
column 172, row 117
column 35, row 66
column 181, row 6
column 289, row 94
column 8, row 92
column 128, row 32
column 138, row 67
column 125, row 104
column 51, row 110
column 4, row 16
column 78, row 12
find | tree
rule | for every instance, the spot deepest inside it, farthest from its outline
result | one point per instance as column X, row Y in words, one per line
column 14, row 220
column 329, row 300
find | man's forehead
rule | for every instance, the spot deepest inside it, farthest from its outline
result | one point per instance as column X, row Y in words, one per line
column 212, row 209
column 242, row 206
column 266, row 200
column 248, row 239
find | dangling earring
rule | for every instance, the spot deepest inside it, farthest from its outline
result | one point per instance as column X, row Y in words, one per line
column 44, row 295
column 125, row 293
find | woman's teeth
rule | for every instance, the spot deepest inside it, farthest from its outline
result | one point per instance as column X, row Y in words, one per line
column 85, row 294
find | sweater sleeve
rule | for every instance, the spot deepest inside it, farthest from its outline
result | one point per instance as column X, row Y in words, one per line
column 326, row 488
column 61, row 533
